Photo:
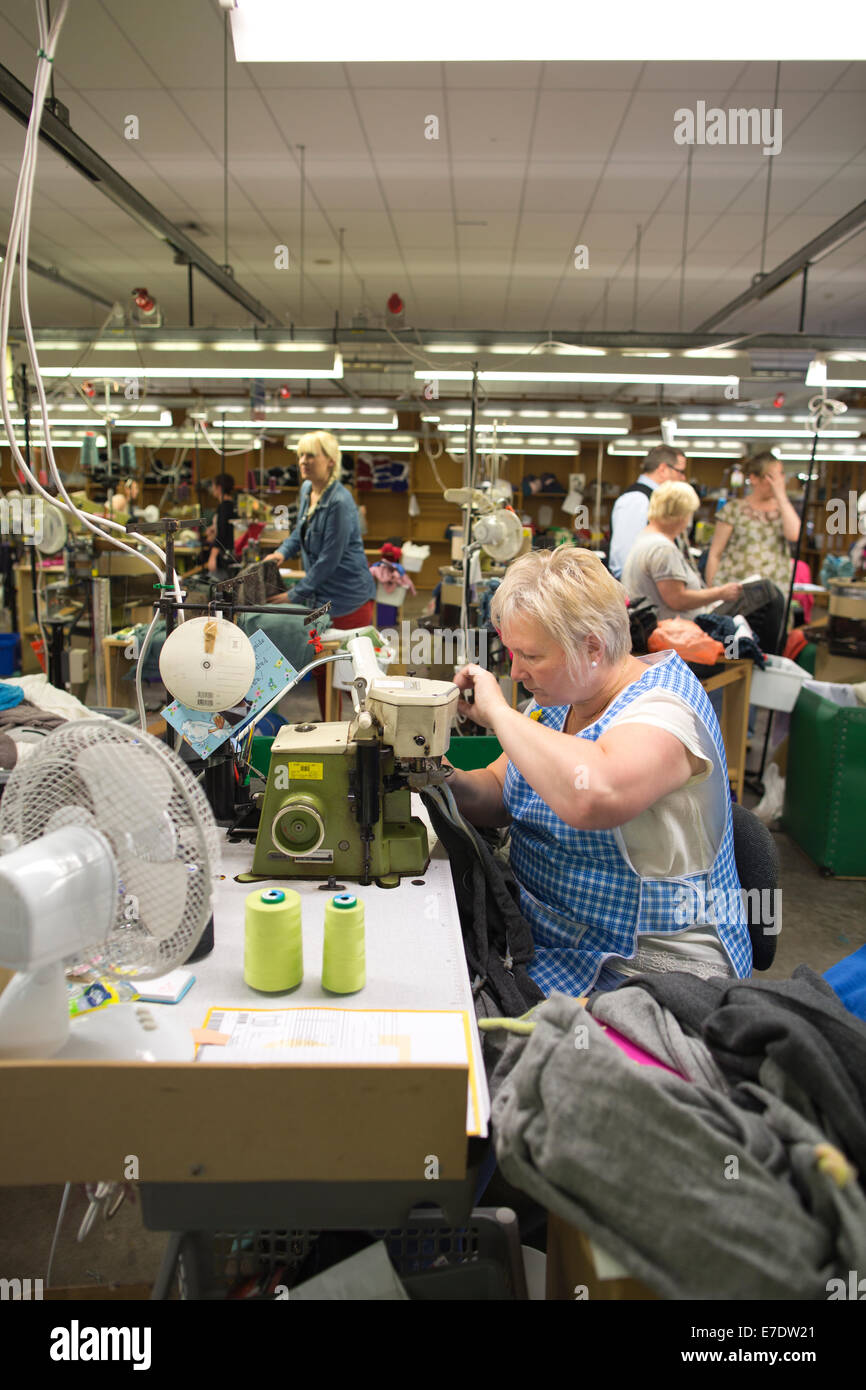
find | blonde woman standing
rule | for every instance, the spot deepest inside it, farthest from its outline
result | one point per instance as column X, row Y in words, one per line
column 327, row 536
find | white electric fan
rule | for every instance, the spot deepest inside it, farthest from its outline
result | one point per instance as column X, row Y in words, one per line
column 497, row 529
column 109, row 852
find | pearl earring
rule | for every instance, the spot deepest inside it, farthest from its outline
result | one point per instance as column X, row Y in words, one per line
column 593, row 663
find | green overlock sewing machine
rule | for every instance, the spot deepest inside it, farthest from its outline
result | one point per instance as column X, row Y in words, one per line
column 337, row 800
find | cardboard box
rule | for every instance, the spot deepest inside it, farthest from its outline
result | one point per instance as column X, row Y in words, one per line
column 848, row 600
column 845, row 669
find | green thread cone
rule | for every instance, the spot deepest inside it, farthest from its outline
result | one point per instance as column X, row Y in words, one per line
column 344, row 968
column 273, row 945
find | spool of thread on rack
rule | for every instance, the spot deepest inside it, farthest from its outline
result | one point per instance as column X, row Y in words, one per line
column 344, row 961
column 273, row 945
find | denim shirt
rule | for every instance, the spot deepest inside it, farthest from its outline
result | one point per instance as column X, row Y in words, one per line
column 332, row 551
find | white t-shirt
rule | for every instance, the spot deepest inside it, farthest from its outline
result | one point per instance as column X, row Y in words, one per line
column 655, row 557
column 679, row 834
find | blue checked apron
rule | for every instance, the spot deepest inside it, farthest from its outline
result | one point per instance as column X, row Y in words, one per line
column 578, row 890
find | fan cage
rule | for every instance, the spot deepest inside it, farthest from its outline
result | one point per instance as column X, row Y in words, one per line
column 140, row 796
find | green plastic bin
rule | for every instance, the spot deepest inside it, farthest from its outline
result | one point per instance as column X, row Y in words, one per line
column 468, row 753
column 825, row 788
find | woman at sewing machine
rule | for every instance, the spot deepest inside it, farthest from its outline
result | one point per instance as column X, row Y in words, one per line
column 614, row 783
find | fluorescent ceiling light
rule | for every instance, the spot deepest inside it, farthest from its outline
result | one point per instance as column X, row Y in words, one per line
column 772, row 434
column 175, row 347
column 843, row 381
column 194, row 372
column 612, row 378
column 463, row 349
column 533, row 414
column 237, row 347
column 643, row 352
column 269, row 31
column 578, row 429
column 709, row 353
column 695, row 417
column 314, row 424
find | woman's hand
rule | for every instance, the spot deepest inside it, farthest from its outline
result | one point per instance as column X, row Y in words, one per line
column 487, row 698
column 779, row 483
column 275, row 556
column 211, row 563
column 730, row 593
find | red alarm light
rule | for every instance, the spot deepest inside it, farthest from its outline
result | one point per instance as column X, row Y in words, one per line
column 143, row 300
column 779, row 401
column 285, row 393
column 395, row 304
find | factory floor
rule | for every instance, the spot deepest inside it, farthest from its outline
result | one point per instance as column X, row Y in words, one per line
column 823, row 920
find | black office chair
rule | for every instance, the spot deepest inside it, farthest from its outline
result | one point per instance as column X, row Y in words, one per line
column 757, row 860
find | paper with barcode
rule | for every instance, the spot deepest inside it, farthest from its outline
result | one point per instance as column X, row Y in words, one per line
column 320, row 1034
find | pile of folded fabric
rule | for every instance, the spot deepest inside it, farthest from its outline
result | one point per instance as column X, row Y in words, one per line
column 727, row 1169
column 30, row 708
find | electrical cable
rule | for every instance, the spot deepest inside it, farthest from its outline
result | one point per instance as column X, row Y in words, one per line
column 139, row 693
column 60, row 1215
column 17, row 250
column 17, row 253
column 227, row 453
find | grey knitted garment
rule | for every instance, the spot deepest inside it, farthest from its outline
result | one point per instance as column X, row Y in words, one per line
column 696, row 1196
column 638, row 1016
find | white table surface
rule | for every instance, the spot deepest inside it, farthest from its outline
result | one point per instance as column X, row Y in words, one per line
column 414, row 948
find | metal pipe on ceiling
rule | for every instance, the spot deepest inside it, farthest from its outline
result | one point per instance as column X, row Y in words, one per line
column 49, row 273
column 814, row 250
column 18, row 101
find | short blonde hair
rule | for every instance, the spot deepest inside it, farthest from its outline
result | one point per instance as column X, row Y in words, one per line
column 673, row 501
column 319, row 441
column 570, row 594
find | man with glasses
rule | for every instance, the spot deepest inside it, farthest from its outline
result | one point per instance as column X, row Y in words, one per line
column 631, row 509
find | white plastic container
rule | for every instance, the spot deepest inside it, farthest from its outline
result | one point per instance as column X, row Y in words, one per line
column 778, row 686
column 344, row 672
column 396, row 598
column 414, row 556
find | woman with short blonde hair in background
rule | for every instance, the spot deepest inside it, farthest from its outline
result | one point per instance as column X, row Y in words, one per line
column 657, row 570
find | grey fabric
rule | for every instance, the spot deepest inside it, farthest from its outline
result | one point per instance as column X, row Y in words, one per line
column 818, row 1045
column 638, row 1159
column 257, row 584
column 636, row 1015
column 24, row 715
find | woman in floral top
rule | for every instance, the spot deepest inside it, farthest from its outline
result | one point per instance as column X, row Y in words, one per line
column 753, row 533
